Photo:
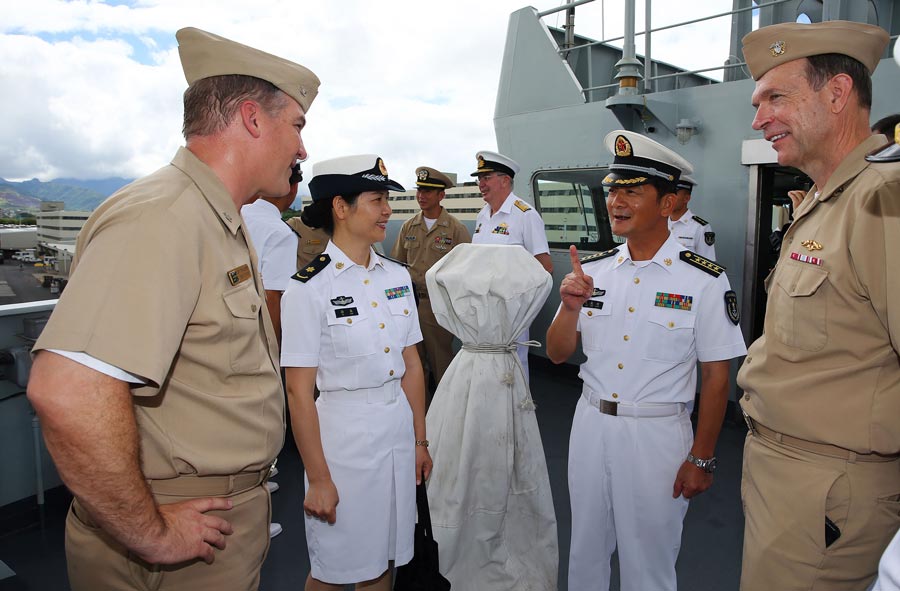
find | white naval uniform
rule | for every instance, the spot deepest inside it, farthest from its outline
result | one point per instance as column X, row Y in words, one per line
column 643, row 335
column 274, row 241
column 516, row 222
column 889, row 568
column 693, row 235
column 352, row 323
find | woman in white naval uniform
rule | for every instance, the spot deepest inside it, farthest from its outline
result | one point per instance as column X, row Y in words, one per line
column 350, row 327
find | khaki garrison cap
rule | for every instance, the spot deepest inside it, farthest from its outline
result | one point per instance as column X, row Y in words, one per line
column 204, row 55
column 778, row 44
column 429, row 178
column 637, row 158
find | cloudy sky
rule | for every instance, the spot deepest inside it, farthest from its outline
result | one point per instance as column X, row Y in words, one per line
column 92, row 89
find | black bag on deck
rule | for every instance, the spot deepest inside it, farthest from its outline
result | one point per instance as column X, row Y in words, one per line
column 422, row 572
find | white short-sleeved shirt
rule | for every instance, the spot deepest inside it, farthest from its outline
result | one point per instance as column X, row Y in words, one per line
column 516, row 222
column 695, row 234
column 274, row 241
column 649, row 323
column 351, row 322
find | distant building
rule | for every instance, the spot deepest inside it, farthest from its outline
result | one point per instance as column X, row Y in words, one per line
column 464, row 201
column 17, row 238
column 59, row 226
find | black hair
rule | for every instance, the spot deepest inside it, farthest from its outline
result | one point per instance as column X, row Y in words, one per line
column 318, row 214
column 663, row 187
column 822, row 68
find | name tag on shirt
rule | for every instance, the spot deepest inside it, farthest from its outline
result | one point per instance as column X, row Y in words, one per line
column 597, row 305
column 238, row 275
column 344, row 312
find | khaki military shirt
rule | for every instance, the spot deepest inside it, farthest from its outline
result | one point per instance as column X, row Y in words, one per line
column 310, row 241
column 826, row 369
column 165, row 286
column 421, row 248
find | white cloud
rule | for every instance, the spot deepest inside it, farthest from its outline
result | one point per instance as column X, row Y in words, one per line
column 92, row 90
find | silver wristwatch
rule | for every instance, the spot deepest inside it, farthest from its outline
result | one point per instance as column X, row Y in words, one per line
column 708, row 466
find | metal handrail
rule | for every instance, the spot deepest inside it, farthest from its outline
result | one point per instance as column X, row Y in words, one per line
column 673, row 75
column 549, row 11
column 666, row 27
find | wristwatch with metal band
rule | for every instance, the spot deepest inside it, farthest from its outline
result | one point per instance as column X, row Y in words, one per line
column 708, row 466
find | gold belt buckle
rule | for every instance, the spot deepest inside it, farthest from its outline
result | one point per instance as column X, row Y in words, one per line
column 271, row 471
column 609, row 408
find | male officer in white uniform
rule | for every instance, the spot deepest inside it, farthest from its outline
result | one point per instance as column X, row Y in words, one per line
column 506, row 219
column 691, row 230
column 645, row 312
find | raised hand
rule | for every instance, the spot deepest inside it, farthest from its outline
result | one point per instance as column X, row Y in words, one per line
column 576, row 287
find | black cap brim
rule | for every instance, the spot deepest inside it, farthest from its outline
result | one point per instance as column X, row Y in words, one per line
column 326, row 186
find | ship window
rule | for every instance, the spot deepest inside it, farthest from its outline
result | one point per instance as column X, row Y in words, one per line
column 572, row 203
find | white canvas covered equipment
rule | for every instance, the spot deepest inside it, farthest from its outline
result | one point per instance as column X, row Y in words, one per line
column 491, row 505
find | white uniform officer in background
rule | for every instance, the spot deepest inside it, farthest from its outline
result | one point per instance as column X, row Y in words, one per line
column 276, row 246
column 351, row 328
column 645, row 313
column 506, row 219
column 691, row 230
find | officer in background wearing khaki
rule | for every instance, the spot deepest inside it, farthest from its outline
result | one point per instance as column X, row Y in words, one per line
column 310, row 241
column 157, row 377
column 423, row 240
column 821, row 480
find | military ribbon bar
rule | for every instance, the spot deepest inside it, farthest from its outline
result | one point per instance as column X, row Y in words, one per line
column 673, row 300
column 805, row 258
column 397, row 292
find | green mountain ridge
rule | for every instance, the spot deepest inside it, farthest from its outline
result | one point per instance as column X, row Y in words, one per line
column 77, row 195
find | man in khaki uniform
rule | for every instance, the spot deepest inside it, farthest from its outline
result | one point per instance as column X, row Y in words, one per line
column 157, row 377
column 423, row 240
column 310, row 241
column 821, row 477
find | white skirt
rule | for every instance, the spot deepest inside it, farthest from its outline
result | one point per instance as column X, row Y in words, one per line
column 369, row 445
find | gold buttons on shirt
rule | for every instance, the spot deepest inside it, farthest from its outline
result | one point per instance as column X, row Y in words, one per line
column 621, row 366
column 637, row 280
column 253, row 308
column 406, row 312
column 387, row 349
column 746, row 397
column 671, row 325
column 615, row 395
column 366, row 281
column 590, row 313
column 349, row 321
column 626, row 337
column 381, row 325
column 374, row 304
column 631, row 308
column 390, row 373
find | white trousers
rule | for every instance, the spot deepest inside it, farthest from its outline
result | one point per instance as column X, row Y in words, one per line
column 621, row 473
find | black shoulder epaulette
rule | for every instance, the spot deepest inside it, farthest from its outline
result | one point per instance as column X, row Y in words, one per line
column 702, row 263
column 384, row 256
column 314, row 266
column 889, row 153
column 599, row 255
column 700, row 220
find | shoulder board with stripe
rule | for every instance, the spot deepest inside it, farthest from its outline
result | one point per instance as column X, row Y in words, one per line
column 700, row 220
column 314, row 266
column 702, row 263
column 386, row 257
column 521, row 205
column 599, row 255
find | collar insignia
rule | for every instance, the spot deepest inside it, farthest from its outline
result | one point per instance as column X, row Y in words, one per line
column 811, row 245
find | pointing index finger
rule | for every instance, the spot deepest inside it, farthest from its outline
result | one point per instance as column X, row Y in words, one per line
column 576, row 263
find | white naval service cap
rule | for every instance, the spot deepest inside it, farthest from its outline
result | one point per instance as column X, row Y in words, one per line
column 350, row 174
column 495, row 162
column 686, row 182
column 638, row 158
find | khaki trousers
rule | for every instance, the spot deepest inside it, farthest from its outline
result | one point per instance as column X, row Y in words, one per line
column 96, row 561
column 436, row 348
column 788, row 492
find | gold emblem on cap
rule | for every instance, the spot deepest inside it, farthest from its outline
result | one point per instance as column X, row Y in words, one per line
column 422, row 174
column 811, row 245
column 303, row 91
column 481, row 162
column 623, row 146
column 382, row 167
column 777, row 48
